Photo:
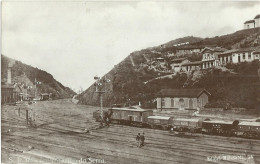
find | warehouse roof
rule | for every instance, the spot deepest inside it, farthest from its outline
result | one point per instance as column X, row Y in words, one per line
column 182, row 92
column 131, row 109
column 160, row 117
column 249, row 123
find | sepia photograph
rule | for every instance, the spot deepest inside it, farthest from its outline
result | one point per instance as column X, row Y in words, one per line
column 130, row 82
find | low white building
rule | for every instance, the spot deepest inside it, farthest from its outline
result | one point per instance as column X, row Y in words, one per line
column 238, row 56
column 176, row 64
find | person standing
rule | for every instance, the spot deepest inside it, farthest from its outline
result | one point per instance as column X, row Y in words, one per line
column 138, row 139
column 142, row 138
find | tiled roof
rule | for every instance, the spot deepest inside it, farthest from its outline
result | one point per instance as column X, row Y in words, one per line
column 215, row 49
column 250, row 21
column 182, row 92
column 249, row 49
column 257, row 16
column 8, row 86
column 193, row 63
column 178, row 60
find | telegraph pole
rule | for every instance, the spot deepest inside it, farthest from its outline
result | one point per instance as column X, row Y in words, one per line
column 98, row 84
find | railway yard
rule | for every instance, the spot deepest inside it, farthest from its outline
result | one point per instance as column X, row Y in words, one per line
column 67, row 133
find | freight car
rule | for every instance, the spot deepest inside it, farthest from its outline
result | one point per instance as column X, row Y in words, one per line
column 136, row 116
column 219, row 127
column 187, row 125
column 130, row 116
column 160, row 122
column 248, row 129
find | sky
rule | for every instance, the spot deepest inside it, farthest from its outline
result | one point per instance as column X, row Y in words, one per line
column 75, row 41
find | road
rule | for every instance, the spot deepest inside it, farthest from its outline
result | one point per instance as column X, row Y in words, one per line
column 66, row 133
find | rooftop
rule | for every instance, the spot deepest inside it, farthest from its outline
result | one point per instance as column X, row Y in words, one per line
column 7, row 86
column 159, row 117
column 182, row 92
column 250, row 123
column 249, row 21
column 215, row 49
column 193, row 63
column 131, row 109
column 178, row 60
column 257, row 16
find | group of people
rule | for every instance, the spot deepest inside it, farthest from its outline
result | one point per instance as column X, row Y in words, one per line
column 140, row 139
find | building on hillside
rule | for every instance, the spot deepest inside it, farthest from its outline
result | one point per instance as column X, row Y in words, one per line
column 192, row 66
column 161, row 60
column 182, row 99
column 45, row 96
column 210, row 56
column 238, row 55
column 256, row 54
column 189, row 49
column 176, row 64
column 252, row 23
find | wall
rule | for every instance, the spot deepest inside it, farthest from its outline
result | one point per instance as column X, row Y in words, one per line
column 257, row 22
column 242, row 59
column 177, row 103
column 249, row 25
column 203, row 100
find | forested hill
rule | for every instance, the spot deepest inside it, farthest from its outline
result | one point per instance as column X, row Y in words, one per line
column 25, row 74
column 132, row 80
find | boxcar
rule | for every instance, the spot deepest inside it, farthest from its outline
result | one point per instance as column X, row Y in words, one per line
column 130, row 116
column 218, row 127
column 186, row 124
column 248, row 129
column 160, row 122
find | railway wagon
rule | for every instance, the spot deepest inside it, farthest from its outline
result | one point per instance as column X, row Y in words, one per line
column 219, row 127
column 186, row 124
column 131, row 116
column 160, row 122
column 248, row 129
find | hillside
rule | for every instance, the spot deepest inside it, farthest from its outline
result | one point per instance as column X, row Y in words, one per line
column 239, row 85
column 25, row 74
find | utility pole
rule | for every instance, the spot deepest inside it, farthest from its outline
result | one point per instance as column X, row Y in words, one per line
column 98, row 84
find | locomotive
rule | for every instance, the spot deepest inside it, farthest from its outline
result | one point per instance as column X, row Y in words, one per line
column 136, row 116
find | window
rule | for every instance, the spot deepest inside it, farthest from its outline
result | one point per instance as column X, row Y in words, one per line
column 163, row 102
column 244, row 56
column 141, row 114
column 249, row 56
column 172, row 102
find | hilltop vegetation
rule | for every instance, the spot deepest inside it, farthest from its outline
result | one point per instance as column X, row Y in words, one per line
column 22, row 73
column 237, row 84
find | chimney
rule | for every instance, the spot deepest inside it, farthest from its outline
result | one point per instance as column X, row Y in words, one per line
column 9, row 77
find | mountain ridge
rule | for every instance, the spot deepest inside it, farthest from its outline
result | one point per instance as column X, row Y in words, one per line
column 24, row 74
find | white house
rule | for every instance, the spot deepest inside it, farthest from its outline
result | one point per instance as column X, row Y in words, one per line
column 252, row 23
column 210, row 56
column 176, row 64
column 182, row 99
column 238, row 55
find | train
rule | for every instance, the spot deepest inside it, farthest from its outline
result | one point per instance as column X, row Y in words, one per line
column 136, row 116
